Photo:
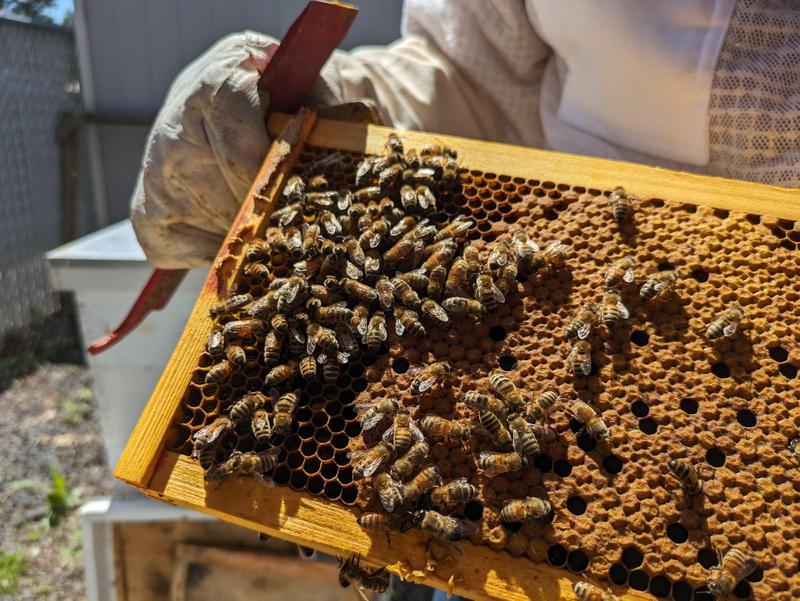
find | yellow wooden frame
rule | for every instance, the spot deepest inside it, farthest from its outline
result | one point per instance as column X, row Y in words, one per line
column 329, row 527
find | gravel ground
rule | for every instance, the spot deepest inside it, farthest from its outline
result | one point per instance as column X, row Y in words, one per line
column 47, row 417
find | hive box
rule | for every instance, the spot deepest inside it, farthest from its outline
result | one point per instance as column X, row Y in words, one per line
column 665, row 391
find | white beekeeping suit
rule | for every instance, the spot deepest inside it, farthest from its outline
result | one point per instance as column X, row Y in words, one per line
column 710, row 86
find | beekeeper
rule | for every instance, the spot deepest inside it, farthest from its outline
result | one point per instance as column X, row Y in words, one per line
column 709, row 86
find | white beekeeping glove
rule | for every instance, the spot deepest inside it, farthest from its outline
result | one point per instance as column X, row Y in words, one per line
column 204, row 150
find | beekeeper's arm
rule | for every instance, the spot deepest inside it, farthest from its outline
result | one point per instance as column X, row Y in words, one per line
column 444, row 76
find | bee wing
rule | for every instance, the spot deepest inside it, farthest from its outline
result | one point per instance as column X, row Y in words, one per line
column 730, row 329
column 372, row 421
column 342, row 357
column 387, row 498
column 265, row 480
column 352, row 272
column 659, row 286
column 311, row 344
column 209, row 434
column 382, row 333
column 330, row 225
column 623, row 310
column 361, row 328
column 499, row 296
column 585, row 366
column 322, row 358
column 628, row 276
column 399, row 327
column 360, row 592
column 516, row 440
column 290, row 291
column 416, row 433
column 583, row 331
column 372, row 466
column 387, row 435
column 425, row 383
column 439, row 313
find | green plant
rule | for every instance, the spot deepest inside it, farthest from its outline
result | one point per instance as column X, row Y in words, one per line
column 61, row 499
column 76, row 411
column 11, row 568
column 70, row 553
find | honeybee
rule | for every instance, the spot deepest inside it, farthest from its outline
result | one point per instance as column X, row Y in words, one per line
column 403, row 432
column 367, row 194
column 372, row 264
column 232, row 304
column 613, row 309
column 279, row 323
column 551, row 256
column 354, row 251
column 246, row 464
column 330, row 369
column 365, row 169
column 425, row 198
column 281, row 373
column 522, row 510
column 405, row 293
column 441, row 428
column 503, row 386
column 507, row 277
column 487, row 292
column 366, row 462
column 263, row 307
column 246, row 405
column 580, row 326
column 385, row 290
column 376, row 411
column 272, row 349
column 260, row 426
column 484, row 402
column 794, row 448
column 308, row 367
column 216, row 344
column 443, row 527
column 436, row 280
column 336, row 313
column 407, row 320
column 441, row 254
column 359, row 291
column 207, row 436
column 493, row 464
column 427, row 479
column 448, row 496
column 726, row 323
column 416, row 279
column 317, row 182
column 360, row 319
column 257, row 250
column 592, row 423
column 243, row 329
column 540, row 408
column 735, row 566
column 408, row 198
column 376, row 331
column 206, row 457
column 322, row 199
column 296, row 340
column 620, row 203
column 286, row 216
column 219, row 372
column 622, row 270
column 579, row 358
column 351, row 572
column 523, row 437
column 402, row 469
column 455, row 229
column 433, row 310
column 459, row 305
column 657, row 283
column 294, row 243
column 372, row 237
column 524, row 248
column 472, row 257
column 496, row 429
column 687, row 474
column 389, row 492
column 403, row 226
column 585, row 591
column 389, row 177
column 456, row 283
column 294, row 188
column 317, row 335
column 311, row 236
column 380, row 522
column 499, row 256
column 450, row 174
column 428, row 376
column 236, row 355
column 257, row 271
column 283, row 411
column 401, row 250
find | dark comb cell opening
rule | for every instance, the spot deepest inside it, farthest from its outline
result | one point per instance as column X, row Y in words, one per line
column 328, row 471
column 703, row 594
column 715, row 457
column 640, row 338
column 660, row 586
column 347, row 396
column 681, row 591
column 721, row 213
column 640, row 408
column 743, row 590
column 576, row 505
column 562, row 468
column 746, row 417
column 400, row 366
column 677, row 533
column 369, row 359
column 577, row 561
column 575, row 425
column 617, row 574
column 689, row 405
column 512, row 526
column 557, row 555
column 788, row 244
column 473, row 510
column 721, row 370
column 333, row 489
column 788, row 370
column 756, row 575
column 359, row 385
column 648, row 425
column 612, row 464
column 507, row 362
column 315, row 485
column 638, row 580
column 779, row 354
column 349, row 495
column 543, row 462
column 632, row 557
column 281, row 474
column 298, row 480
column 497, row 333
column 701, row 275
column 586, row 443
column 665, row 266
column 707, row 558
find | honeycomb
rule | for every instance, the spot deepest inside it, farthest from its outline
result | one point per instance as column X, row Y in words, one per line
column 665, row 391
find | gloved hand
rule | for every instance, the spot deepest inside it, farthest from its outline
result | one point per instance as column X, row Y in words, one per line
column 203, row 152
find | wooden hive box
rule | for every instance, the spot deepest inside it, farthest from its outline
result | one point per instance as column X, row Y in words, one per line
column 663, row 388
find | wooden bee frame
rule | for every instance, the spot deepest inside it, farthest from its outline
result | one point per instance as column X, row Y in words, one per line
column 331, row 527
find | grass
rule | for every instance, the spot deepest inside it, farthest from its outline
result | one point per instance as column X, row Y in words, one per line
column 73, row 412
column 60, row 497
column 11, row 568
